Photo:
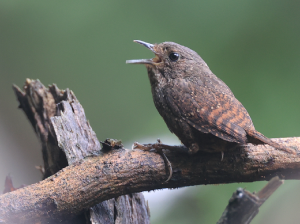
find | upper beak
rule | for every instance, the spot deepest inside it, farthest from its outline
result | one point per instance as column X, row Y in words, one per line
column 145, row 61
column 147, row 45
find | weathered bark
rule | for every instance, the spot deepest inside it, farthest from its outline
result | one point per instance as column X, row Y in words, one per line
column 117, row 172
column 69, row 140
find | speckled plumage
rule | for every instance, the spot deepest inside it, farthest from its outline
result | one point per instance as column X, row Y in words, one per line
column 196, row 105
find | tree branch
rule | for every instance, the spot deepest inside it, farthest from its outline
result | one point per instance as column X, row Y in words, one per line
column 121, row 171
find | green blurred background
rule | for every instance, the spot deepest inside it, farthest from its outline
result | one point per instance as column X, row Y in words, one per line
column 251, row 45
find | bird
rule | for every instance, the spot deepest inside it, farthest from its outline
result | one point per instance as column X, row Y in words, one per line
column 197, row 106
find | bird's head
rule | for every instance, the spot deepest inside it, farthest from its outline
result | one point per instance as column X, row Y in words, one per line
column 171, row 60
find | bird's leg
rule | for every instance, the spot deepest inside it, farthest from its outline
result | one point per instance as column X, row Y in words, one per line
column 158, row 146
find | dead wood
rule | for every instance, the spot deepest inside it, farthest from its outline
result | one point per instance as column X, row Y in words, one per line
column 66, row 136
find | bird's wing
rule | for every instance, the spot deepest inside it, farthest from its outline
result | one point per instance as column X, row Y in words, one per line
column 209, row 110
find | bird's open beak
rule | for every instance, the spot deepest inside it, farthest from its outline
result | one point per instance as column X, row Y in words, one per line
column 153, row 61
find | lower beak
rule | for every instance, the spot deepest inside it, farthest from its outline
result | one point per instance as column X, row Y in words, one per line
column 139, row 61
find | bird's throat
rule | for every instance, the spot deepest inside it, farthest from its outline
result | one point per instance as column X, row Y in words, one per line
column 156, row 77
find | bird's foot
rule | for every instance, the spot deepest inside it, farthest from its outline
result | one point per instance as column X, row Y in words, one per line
column 158, row 146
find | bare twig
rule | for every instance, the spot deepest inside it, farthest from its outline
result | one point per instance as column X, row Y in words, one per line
column 243, row 206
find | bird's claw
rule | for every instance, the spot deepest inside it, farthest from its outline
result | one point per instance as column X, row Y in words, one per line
column 158, row 147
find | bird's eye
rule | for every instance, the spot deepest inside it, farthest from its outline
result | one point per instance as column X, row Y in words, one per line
column 174, row 56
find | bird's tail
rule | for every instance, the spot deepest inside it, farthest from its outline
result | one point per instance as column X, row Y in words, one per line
column 258, row 138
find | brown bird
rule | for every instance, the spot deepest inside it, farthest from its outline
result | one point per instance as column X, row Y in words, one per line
column 195, row 104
